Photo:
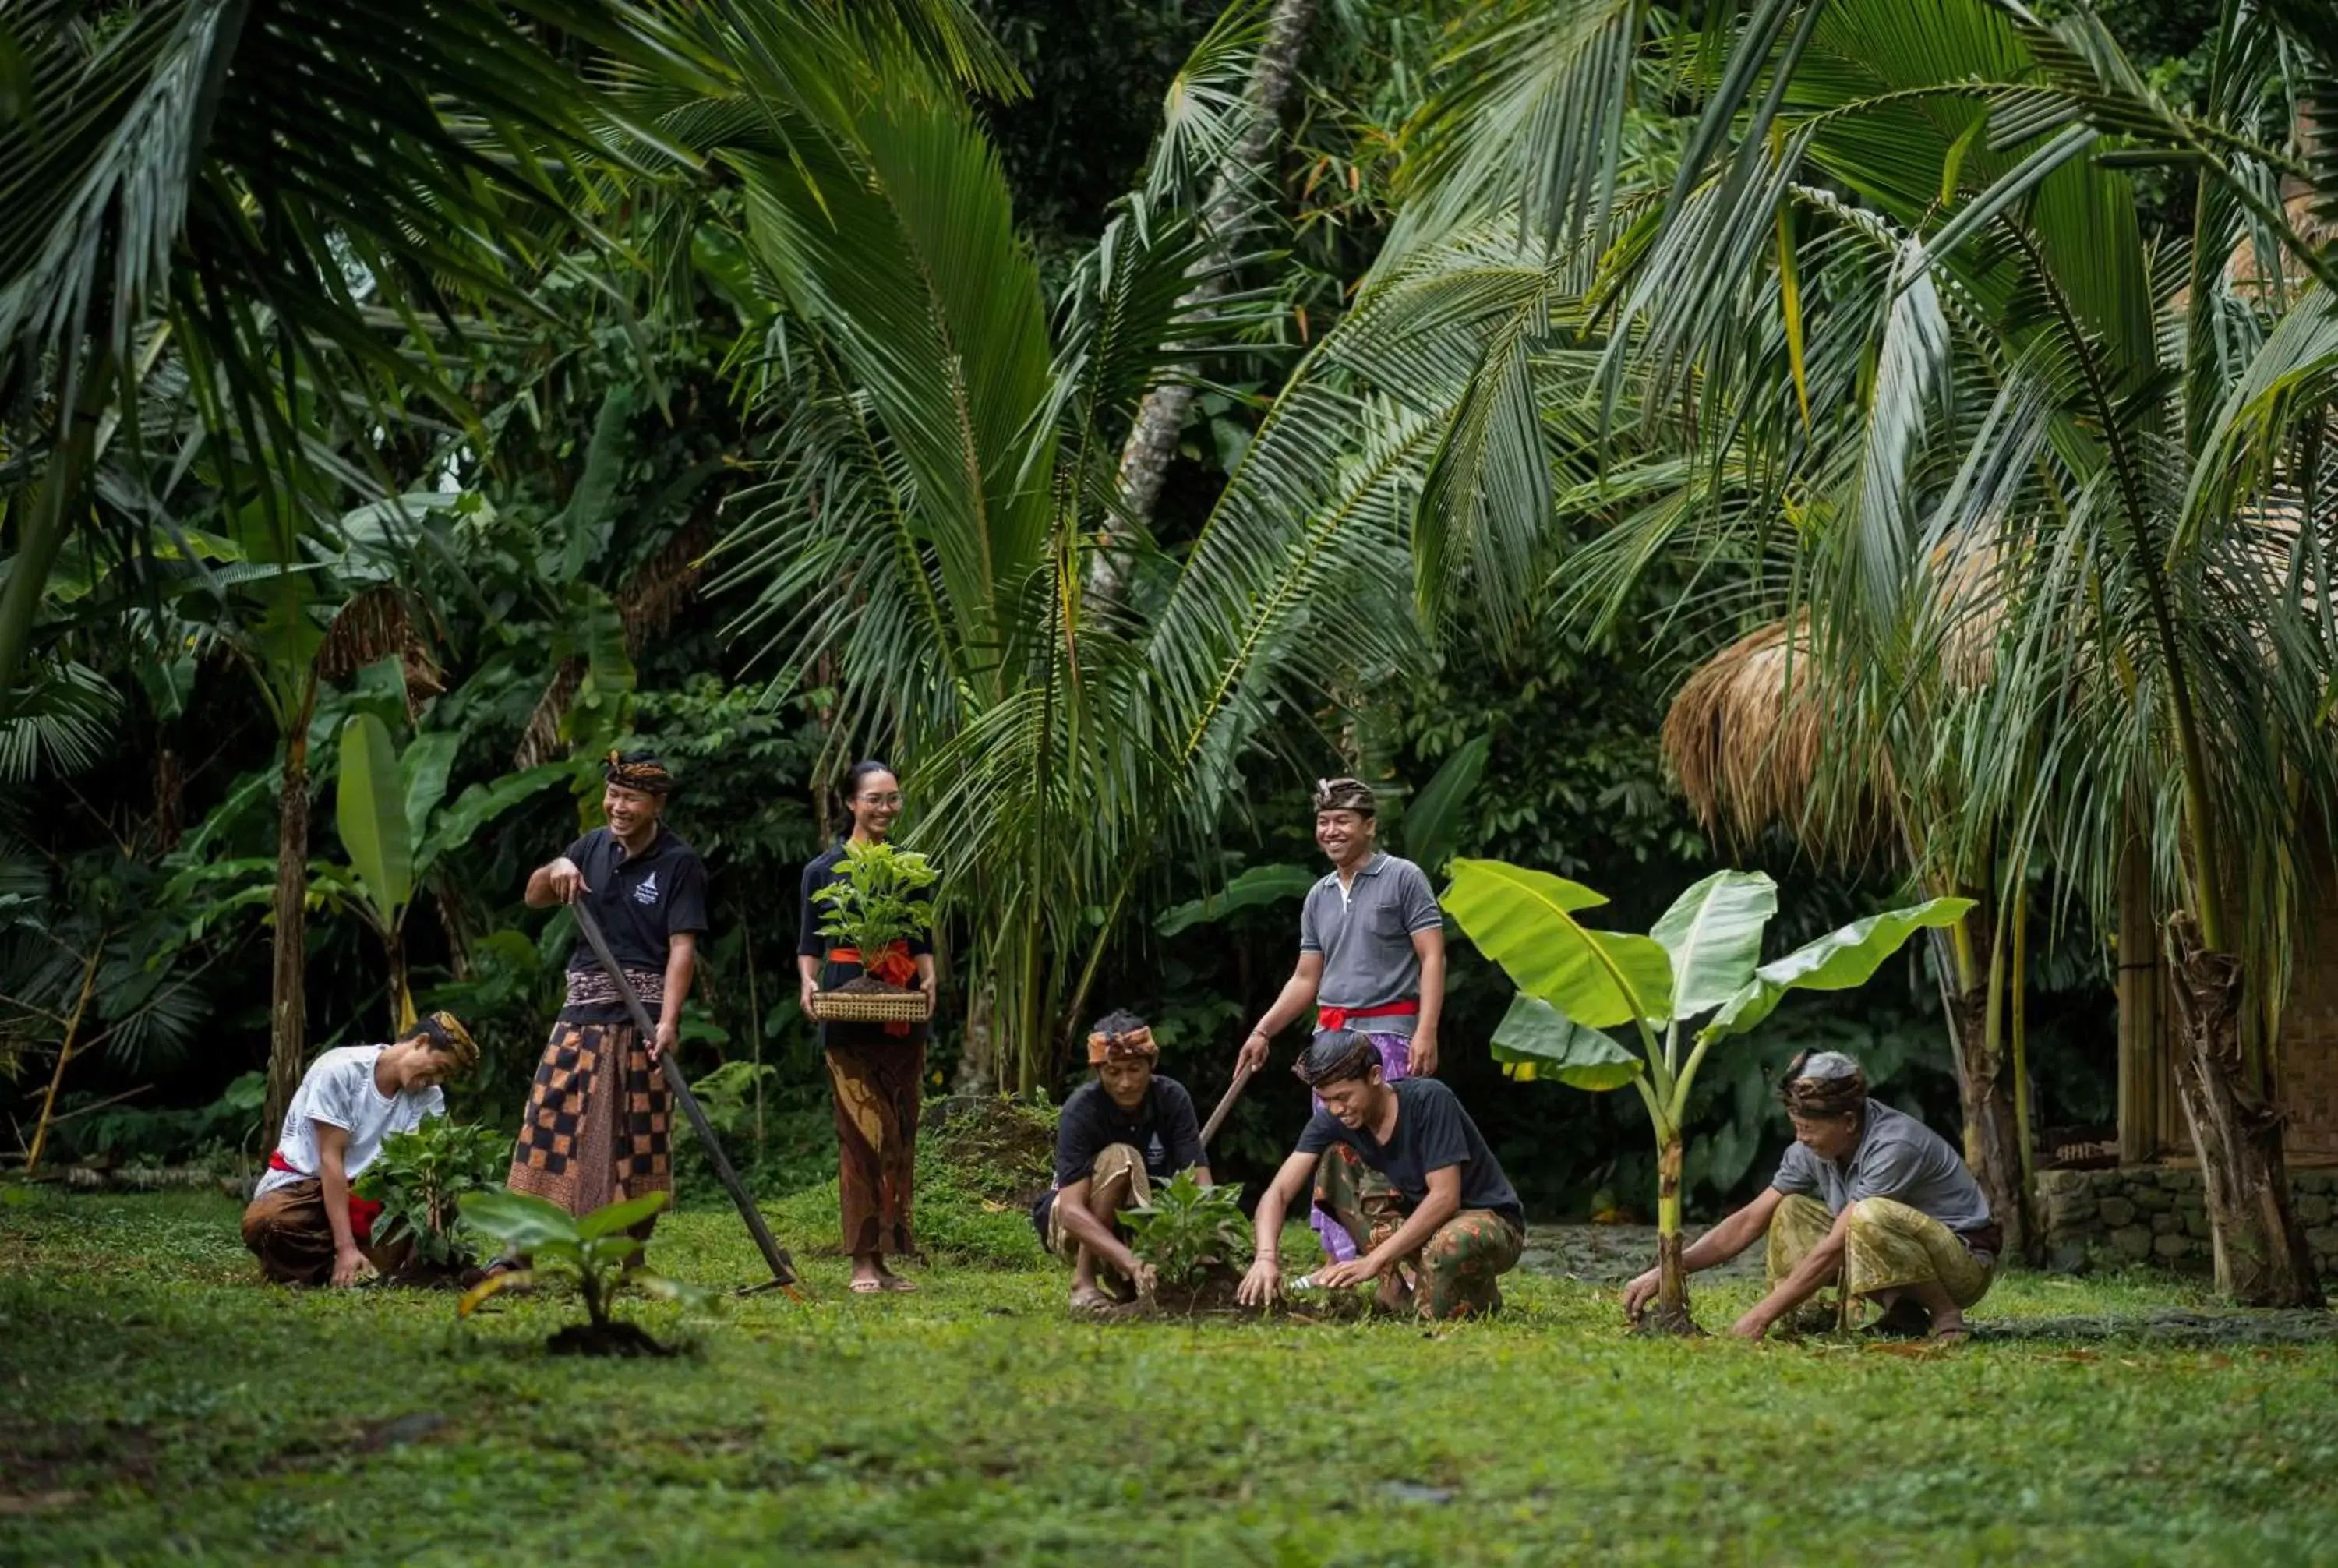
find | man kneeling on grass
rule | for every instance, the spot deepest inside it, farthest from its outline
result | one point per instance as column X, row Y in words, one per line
column 1124, row 1130
column 1866, row 1197
column 304, row 1223
column 1407, row 1174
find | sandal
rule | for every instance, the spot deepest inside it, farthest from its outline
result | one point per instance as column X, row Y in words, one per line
column 866, row 1287
column 895, row 1283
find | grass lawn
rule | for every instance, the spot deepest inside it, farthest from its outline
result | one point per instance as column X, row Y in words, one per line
column 160, row 1404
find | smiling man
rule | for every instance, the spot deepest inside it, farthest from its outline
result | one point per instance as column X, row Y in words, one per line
column 599, row 1116
column 1409, row 1178
column 1120, row 1132
column 1371, row 954
column 1866, row 1196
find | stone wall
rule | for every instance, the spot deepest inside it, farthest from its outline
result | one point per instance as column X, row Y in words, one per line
column 2144, row 1214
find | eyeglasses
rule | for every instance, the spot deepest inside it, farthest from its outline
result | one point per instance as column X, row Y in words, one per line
column 892, row 800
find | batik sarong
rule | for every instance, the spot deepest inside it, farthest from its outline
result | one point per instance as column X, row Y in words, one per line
column 1456, row 1273
column 1113, row 1162
column 878, row 1083
column 287, row 1231
column 1396, row 1061
column 1887, row 1245
column 599, row 1121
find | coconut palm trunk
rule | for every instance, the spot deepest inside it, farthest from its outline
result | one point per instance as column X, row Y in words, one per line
column 1161, row 417
column 288, row 1012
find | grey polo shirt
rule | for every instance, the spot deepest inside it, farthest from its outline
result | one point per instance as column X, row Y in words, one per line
column 1898, row 1157
column 1364, row 932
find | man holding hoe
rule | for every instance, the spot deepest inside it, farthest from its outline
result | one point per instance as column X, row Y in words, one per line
column 1866, row 1196
column 600, row 1118
column 1124, row 1129
column 1371, row 956
column 1408, row 1176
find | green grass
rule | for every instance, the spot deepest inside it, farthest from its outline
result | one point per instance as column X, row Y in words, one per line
column 158, row 1404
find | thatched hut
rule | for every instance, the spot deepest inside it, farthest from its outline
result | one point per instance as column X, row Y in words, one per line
column 1748, row 738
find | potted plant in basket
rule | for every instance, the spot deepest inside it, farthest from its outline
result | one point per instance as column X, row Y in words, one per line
column 870, row 915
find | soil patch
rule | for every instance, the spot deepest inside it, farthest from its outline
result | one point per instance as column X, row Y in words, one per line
column 614, row 1339
column 2175, row 1326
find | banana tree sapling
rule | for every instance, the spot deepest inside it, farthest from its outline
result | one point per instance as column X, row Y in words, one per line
column 1703, row 956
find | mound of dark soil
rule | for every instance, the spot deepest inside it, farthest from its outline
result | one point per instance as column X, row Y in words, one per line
column 612, row 1338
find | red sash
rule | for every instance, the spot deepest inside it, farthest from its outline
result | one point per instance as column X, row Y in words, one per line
column 894, row 967
column 1339, row 1017
column 362, row 1210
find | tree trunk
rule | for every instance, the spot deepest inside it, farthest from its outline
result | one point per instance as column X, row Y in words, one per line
column 1161, row 417
column 2261, row 1251
column 1992, row 1138
column 401, row 996
column 1670, row 1315
column 289, row 1003
column 977, row 1062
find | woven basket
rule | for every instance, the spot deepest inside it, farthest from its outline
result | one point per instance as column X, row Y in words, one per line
column 872, row 1006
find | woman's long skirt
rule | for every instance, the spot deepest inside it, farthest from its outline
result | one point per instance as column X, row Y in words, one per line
column 878, row 1080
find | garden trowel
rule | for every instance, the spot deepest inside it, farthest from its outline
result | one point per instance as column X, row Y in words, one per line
column 783, row 1269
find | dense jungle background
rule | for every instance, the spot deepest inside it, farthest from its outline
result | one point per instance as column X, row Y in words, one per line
column 573, row 570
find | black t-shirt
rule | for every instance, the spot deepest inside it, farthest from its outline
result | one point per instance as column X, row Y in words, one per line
column 1432, row 1132
column 1162, row 1128
column 639, row 901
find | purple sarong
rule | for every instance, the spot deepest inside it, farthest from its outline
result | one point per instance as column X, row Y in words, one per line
column 1396, row 1061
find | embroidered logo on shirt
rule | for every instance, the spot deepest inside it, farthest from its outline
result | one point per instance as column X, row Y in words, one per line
column 646, row 892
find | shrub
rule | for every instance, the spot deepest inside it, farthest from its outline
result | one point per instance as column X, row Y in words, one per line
column 1187, row 1228
column 420, row 1178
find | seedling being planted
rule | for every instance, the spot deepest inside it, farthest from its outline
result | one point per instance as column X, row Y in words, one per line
column 597, row 1248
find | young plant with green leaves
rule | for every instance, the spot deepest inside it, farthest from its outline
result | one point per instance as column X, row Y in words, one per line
column 420, row 1178
column 872, row 907
column 598, row 1248
column 1703, row 957
column 1189, row 1228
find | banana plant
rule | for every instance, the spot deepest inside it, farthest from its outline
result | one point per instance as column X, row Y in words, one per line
column 1703, row 957
column 388, row 808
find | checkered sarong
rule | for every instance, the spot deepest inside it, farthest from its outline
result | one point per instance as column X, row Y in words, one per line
column 599, row 1121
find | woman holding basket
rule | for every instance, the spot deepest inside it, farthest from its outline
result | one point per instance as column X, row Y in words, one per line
column 876, row 1071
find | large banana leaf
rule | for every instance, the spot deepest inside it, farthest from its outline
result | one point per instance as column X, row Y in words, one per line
column 1539, row 1036
column 1524, row 920
column 1838, row 961
column 1714, row 933
column 370, row 810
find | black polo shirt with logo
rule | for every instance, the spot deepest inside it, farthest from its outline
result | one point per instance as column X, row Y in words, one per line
column 640, row 900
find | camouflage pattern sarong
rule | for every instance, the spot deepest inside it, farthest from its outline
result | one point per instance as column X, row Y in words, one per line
column 1396, row 1061
column 1457, row 1273
column 1889, row 1245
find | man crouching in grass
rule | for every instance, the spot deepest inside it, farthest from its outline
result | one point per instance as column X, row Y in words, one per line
column 1866, row 1196
column 1120, row 1132
column 1408, row 1175
column 305, row 1225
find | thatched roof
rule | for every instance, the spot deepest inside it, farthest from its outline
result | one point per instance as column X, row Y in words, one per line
column 1746, row 739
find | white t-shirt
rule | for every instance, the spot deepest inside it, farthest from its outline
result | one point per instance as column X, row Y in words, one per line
column 339, row 1091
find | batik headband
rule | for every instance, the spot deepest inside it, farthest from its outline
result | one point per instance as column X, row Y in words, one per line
column 1104, row 1048
column 450, row 1038
column 1335, row 1056
column 1345, row 795
column 639, row 771
column 1821, row 1083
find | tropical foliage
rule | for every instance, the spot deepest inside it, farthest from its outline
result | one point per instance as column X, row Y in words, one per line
column 1703, row 957
column 421, row 1178
column 1188, row 1229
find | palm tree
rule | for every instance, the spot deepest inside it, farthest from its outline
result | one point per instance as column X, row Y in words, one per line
column 2051, row 497
column 290, row 204
column 945, row 465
